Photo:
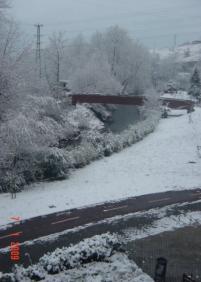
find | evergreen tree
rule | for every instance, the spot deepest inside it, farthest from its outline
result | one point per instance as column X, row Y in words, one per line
column 195, row 85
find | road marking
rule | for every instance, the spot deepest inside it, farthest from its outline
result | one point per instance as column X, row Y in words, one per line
column 11, row 235
column 160, row 200
column 15, row 218
column 117, row 208
column 65, row 220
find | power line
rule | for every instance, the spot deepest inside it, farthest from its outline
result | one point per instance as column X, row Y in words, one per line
column 132, row 32
column 38, row 48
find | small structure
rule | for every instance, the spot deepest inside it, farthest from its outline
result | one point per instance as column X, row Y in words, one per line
column 64, row 85
column 171, row 87
column 174, row 103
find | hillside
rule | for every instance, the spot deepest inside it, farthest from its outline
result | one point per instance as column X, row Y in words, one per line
column 185, row 53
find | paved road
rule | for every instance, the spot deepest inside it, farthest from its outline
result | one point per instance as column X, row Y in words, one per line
column 37, row 227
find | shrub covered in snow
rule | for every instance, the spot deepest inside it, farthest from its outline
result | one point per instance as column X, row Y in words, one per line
column 10, row 181
column 51, row 164
column 135, row 133
column 96, row 144
column 85, row 142
column 100, row 258
column 45, row 163
column 96, row 248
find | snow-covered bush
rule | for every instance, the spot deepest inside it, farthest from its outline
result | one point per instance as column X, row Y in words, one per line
column 51, row 164
column 84, row 119
column 112, row 144
column 96, row 248
column 11, row 181
column 93, row 249
column 96, row 144
column 116, row 142
column 7, row 277
column 30, row 163
column 101, row 258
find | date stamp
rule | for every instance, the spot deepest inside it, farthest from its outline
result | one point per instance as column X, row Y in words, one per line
column 15, row 251
column 15, row 245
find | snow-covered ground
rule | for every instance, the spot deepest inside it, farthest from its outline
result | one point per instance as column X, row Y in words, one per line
column 117, row 268
column 163, row 223
column 182, row 95
column 165, row 160
column 189, row 52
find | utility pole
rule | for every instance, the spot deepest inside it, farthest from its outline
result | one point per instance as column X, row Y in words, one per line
column 38, row 48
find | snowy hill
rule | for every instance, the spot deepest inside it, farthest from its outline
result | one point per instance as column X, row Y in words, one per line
column 181, row 95
column 185, row 53
column 189, row 52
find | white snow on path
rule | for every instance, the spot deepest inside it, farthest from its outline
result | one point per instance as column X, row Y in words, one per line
column 117, row 268
column 158, row 163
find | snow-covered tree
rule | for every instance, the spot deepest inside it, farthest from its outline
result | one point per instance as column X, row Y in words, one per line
column 111, row 61
column 95, row 77
column 54, row 58
column 195, row 87
column 34, row 123
column 168, row 68
column 155, row 70
column 77, row 54
column 129, row 61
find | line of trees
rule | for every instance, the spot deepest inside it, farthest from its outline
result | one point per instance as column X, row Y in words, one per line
column 34, row 116
column 111, row 62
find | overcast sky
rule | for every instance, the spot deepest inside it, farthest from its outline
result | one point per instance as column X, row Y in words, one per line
column 154, row 22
